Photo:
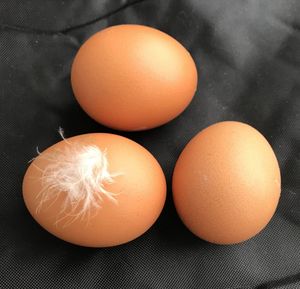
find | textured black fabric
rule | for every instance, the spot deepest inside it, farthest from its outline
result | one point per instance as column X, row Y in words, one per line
column 248, row 58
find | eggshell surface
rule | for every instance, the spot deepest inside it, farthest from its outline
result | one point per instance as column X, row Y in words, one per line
column 133, row 77
column 138, row 183
column 226, row 183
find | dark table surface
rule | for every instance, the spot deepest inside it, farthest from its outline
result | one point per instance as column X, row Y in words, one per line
column 248, row 58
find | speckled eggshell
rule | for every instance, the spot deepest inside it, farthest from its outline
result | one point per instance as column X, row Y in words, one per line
column 226, row 183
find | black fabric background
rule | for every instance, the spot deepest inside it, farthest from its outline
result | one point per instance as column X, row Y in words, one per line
column 248, row 58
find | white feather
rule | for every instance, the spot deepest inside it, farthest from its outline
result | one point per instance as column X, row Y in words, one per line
column 80, row 172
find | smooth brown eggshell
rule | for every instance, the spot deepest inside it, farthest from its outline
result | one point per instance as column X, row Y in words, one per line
column 226, row 183
column 141, row 188
column 133, row 77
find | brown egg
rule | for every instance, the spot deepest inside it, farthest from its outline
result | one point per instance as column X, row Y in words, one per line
column 133, row 77
column 226, row 183
column 95, row 190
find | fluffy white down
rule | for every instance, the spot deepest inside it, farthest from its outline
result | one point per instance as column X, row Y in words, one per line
column 80, row 172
